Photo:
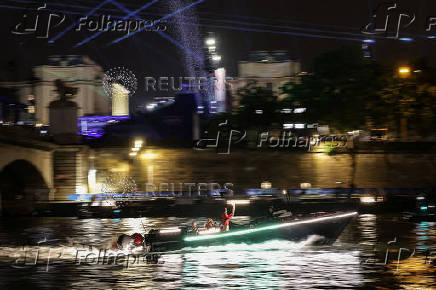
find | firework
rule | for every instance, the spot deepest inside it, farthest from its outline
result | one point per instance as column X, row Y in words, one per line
column 122, row 76
column 117, row 183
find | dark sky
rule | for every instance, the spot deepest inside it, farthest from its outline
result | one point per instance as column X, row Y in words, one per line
column 149, row 54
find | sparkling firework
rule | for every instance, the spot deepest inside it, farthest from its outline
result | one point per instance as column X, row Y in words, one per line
column 122, row 76
column 117, row 183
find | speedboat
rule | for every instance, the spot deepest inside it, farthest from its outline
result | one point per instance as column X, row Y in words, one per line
column 327, row 227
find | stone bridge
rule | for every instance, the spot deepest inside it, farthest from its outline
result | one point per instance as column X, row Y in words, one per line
column 33, row 170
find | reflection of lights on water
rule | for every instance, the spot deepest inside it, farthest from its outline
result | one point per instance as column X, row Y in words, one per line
column 273, row 264
column 134, row 225
column 415, row 272
column 368, row 228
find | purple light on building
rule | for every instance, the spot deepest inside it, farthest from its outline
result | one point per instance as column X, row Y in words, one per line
column 93, row 126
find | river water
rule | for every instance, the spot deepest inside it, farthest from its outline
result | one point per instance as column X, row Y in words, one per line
column 355, row 261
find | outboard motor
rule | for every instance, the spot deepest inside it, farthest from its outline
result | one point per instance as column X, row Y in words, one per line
column 138, row 239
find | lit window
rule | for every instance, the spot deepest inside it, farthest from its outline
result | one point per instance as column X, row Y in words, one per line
column 31, row 109
column 299, row 110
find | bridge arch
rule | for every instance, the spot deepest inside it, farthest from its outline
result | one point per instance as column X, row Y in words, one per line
column 21, row 185
column 40, row 159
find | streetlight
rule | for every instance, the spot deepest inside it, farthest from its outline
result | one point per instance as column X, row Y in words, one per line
column 216, row 57
column 210, row 41
column 404, row 71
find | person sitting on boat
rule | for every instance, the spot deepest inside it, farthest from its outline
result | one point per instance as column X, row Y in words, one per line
column 270, row 215
column 194, row 228
column 209, row 224
column 226, row 218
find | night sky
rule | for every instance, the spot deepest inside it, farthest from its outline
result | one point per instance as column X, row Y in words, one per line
column 149, row 54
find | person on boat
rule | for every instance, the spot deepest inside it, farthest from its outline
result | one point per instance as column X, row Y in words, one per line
column 270, row 215
column 125, row 241
column 209, row 224
column 226, row 218
column 194, row 228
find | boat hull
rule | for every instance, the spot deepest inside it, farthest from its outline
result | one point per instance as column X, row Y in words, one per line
column 326, row 228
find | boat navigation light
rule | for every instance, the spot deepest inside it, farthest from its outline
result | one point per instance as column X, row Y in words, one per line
column 242, row 201
column 169, row 230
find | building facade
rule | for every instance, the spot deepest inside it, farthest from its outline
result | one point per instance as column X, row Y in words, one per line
column 76, row 71
column 269, row 69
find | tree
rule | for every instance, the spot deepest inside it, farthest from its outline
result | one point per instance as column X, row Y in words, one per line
column 409, row 103
column 258, row 105
column 340, row 90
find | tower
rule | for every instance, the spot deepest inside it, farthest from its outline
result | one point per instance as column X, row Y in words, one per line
column 120, row 100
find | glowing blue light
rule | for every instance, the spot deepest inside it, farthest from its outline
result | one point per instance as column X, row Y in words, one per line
column 369, row 40
column 431, row 36
column 265, row 228
column 406, row 39
column 423, row 208
column 94, row 125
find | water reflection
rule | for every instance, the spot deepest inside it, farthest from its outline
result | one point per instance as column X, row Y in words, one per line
column 274, row 264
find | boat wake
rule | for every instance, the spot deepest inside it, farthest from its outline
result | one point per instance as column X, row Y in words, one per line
column 265, row 246
column 36, row 254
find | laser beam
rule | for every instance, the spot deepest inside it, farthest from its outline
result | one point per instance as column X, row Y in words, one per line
column 107, row 28
column 158, row 21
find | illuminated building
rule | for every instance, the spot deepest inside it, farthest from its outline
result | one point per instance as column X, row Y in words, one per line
column 269, row 69
column 120, row 100
column 76, row 71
